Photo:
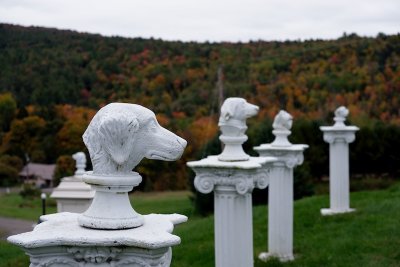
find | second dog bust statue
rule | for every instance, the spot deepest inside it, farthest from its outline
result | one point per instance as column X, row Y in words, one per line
column 232, row 122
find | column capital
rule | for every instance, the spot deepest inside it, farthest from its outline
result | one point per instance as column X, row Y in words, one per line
column 242, row 182
column 334, row 135
column 289, row 156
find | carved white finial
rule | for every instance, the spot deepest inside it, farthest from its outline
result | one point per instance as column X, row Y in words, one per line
column 232, row 123
column 340, row 116
column 80, row 163
column 118, row 138
column 282, row 124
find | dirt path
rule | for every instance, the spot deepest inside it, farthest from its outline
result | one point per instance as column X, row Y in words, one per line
column 9, row 226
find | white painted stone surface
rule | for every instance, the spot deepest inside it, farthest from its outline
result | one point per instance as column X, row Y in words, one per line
column 232, row 176
column 61, row 241
column 280, row 197
column 232, row 123
column 339, row 136
column 110, row 233
column 120, row 135
column 232, row 183
column 72, row 194
column 80, row 159
column 118, row 138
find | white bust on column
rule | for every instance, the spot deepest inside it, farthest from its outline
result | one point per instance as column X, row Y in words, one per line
column 80, row 163
column 72, row 194
column 111, row 232
column 232, row 175
column 339, row 136
column 280, row 190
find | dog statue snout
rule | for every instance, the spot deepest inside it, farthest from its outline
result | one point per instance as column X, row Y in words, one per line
column 252, row 110
column 182, row 142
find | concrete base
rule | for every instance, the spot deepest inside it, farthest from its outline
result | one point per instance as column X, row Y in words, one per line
column 328, row 212
column 61, row 242
column 265, row 256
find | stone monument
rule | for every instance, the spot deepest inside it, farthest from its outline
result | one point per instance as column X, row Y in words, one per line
column 339, row 136
column 110, row 232
column 72, row 194
column 280, row 190
column 232, row 176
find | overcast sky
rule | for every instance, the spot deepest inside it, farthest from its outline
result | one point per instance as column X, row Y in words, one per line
column 210, row 20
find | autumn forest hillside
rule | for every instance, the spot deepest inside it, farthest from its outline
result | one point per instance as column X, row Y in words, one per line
column 53, row 81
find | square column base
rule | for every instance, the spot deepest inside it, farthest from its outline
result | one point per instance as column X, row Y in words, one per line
column 328, row 212
column 265, row 256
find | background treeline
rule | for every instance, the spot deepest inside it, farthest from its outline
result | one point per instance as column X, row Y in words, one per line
column 52, row 83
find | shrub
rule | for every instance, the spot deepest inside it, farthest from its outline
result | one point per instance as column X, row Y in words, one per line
column 8, row 175
column 29, row 191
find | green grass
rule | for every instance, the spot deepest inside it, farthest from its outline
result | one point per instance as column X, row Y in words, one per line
column 368, row 237
column 14, row 206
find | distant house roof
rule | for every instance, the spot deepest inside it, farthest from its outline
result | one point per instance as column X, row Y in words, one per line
column 45, row 171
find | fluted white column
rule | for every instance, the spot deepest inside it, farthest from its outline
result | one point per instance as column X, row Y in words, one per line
column 339, row 136
column 339, row 174
column 232, row 175
column 280, row 199
column 280, row 191
column 339, row 168
column 233, row 214
column 280, row 212
column 232, row 183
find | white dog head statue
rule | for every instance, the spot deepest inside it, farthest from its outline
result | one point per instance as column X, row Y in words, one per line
column 235, row 111
column 120, row 135
column 282, row 121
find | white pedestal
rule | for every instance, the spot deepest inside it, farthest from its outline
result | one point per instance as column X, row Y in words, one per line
column 73, row 195
column 233, row 183
column 280, row 199
column 339, row 138
column 61, row 241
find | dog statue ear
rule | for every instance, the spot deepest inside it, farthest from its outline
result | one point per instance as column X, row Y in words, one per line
column 117, row 136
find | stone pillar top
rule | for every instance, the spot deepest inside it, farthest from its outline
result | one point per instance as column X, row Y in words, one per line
column 80, row 163
column 339, row 131
column 233, row 167
column 241, row 176
column 232, row 123
column 73, row 187
column 155, row 233
column 281, row 148
column 118, row 138
column 281, row 129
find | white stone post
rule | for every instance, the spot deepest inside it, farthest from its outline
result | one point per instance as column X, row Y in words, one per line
column 72, row 194
column 110, row 232
column 232, row 175
column 339, row 136
column 280, row 191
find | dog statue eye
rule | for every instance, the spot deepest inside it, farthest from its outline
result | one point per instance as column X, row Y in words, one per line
column 153, row 125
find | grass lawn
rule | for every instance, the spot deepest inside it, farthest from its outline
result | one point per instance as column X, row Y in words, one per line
column 14, row 206
column 368, row 237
